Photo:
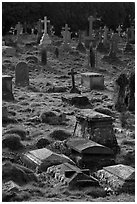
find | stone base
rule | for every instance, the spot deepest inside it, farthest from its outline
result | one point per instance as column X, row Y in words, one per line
column 92, row 80
column 75, row 90
column 45, row 40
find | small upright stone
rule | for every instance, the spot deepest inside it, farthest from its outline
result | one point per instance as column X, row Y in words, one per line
column 7, row 88
column 91, row 56
column 43, row 55
column 56, row 52
column 22, row 74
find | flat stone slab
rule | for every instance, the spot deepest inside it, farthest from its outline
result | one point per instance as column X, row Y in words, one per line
column 120, row 178
column 93, row 116
column 92, row 80
column 76, row 99
column 41, row 159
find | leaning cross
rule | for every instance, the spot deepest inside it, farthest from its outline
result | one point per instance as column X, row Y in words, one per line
column 119, row 29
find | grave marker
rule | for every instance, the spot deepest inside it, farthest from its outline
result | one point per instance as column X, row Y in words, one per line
column 119, row 29
column 91, row 19
column 66, row 37
column 45, row 40
column 74, row 89
column 19, row 29
column 22, row 74
column 7, row 88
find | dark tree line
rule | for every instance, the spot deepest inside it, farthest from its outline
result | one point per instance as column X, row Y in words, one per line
column 75, row 14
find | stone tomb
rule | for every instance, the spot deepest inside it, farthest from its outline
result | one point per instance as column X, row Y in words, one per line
column 41, row 159
column 89, row 153
column 22, row 74
column 7, row 88
column 97, row 127
column 120, row 178
column 71, row 175
column 92, row 80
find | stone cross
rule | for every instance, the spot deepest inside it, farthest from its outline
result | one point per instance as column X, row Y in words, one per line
column 74, row 89
column 45, row 21
column 91, row 19
column 119, row 29
column 66, row 34
column 19, row 29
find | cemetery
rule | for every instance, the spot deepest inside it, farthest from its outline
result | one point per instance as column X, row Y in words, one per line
column 68, row 105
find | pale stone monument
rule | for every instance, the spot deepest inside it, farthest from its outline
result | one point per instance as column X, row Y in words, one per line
column 45, row 40
column 119, row 29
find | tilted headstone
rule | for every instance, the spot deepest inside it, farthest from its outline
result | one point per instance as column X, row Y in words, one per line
column 22, row 74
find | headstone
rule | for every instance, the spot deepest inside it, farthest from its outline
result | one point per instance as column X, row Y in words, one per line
column 89, row 152
column 97, row 127
column 105, row 40
column 119, row 29
column 73, row 89
column 72, row 176
column 80, row 47
column 4, row 113
column 44, row 55
column 66, row 37
column 56, row 52
column 45, row 40
column 22, row 74
column 91, row 56
column 120, row 178
column 131, row 97
column 41, row 159
column 92, row 80
column 128, row 47
column 19, row 29
column 122, row 83
column 7, row 88
column 132, row 30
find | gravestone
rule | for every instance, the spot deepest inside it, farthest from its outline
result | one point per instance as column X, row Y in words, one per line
column 45, row 40
column 56, row 52
column 19, row 29
column 41, row 159
column 73, row 89
column 105, row 40
column 7, row 88
column 132, row 30
column 91, row 56
column 71, row 175
column 119, row 29
column 120, row 178
column 89, row 153
column 66, row 37
column 91, row 19
column 121, row 83
column 92, row 80
column 131, row 97
column 22, row 74
column 97, row 127
column 80, row 47
column 100, row 45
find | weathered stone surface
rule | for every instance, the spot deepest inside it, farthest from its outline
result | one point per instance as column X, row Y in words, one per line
column 43, row 158
column 19, row 131
column 97, row 127
column 12, row 141
column 7, row 88
column 92, row 80
column 22, row 74
column 32, row 58
column 70, row 175
column 120, row 178
column 76, row 99
column 52, row 117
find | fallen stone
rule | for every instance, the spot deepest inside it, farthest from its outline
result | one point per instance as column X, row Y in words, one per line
column 75, row 99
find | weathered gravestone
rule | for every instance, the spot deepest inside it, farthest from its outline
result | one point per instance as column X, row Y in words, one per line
column 120, row 178
column 66, row 37
column 80, row 47
column 71, row 175
column 89, row 153
column 91, row 56
column 19, row 29
column 39, row 29
column 7, row 88
column 41, row 159
column 119, row 29
column 45, row 40
column 131, row 87
column 97, row 127
column 22, row 74
column 121, row 83
column 92, row 80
